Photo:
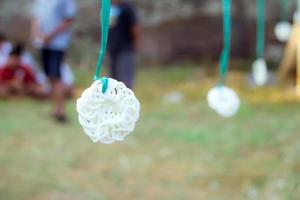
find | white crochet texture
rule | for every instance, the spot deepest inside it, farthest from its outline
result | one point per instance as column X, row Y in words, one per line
column 109, row 117
column 224, row 101
column 283, row 31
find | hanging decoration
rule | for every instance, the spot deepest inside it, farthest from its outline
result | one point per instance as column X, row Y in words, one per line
column 259, row 67
column 108, row 110
column 283, row 28
column 297, row 13
column 260, row 71
column 222, row 99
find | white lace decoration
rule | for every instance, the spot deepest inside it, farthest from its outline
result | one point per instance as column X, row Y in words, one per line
column 260, row 72
column 283, row 31
column 224, row 101
column 109, row 117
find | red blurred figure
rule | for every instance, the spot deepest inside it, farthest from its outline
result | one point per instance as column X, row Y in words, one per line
column 16, row 78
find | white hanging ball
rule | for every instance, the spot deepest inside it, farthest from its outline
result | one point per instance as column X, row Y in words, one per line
column 283, row 31
column 260, row 72
column 224, row 101
column 109, row 117
column 297, row 17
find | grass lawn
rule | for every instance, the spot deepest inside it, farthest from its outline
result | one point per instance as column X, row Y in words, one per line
column 178, row 151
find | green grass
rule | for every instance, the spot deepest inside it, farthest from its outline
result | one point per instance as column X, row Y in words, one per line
column 182, row 151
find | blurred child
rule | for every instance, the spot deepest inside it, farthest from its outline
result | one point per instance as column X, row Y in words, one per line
column 5, row 48
column 51, row 29
column 124, row 33
column 29, row 61
column 16, row 78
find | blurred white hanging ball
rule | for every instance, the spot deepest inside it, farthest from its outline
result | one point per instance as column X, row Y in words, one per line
column 297, row 17
column 283, row 31
column 109, row 117
column 224, row 101
column 260, row 72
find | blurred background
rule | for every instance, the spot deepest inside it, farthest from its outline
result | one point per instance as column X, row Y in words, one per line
column 180, row 148
column 173, row 31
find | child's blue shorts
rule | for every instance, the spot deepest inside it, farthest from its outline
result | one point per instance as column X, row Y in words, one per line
column 52, row 61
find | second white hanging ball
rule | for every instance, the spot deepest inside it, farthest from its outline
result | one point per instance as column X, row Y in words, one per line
column 260, row 72
column 283, row 31
column 224, row 101
column 297, row 17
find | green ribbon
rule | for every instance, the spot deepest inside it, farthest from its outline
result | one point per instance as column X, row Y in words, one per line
column 104, row 18
column 260, row 40
column 284, row 7
column 226, row 40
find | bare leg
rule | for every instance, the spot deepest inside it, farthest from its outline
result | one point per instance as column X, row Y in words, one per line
column 69, row 91
column 58, row 98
